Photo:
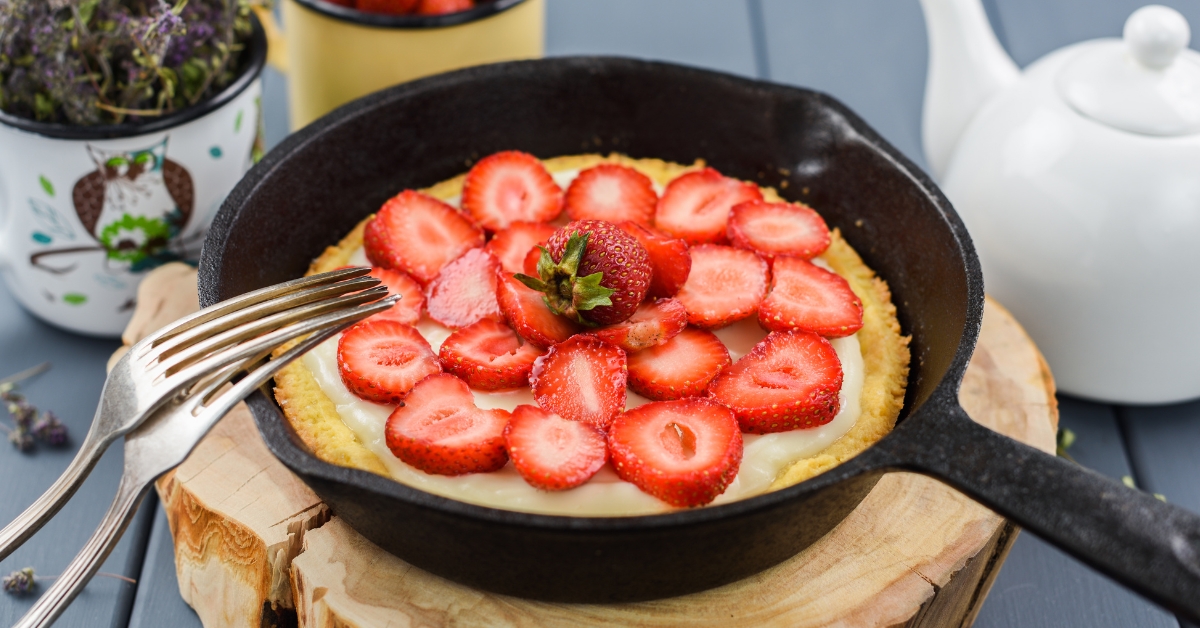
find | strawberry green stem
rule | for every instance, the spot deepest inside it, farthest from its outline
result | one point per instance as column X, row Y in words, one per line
column 568, row 294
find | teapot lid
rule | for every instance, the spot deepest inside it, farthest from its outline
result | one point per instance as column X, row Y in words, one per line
column 1149, row 83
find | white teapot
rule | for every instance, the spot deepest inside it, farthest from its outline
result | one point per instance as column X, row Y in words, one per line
column 1079, row 181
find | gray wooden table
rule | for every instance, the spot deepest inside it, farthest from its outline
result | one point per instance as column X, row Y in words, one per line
column 868, row 53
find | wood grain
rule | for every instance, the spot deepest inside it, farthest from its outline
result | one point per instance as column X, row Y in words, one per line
column 252, row 542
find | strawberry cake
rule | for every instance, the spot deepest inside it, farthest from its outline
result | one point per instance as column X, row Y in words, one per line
column 601, row 336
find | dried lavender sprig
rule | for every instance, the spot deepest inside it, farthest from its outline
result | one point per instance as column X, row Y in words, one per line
column 108, row 61
column 20, row 582
column 21, row 439
column 50, row 430
column 26, row 421
column 24, row 581
column 26, row 374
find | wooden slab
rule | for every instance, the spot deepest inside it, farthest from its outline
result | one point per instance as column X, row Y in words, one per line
column 255, row 547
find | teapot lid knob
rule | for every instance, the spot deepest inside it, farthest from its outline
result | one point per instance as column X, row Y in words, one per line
column 1148, row 83
column 1155, row 34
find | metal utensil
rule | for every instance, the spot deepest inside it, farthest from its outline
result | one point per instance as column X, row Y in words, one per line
column 198, row 354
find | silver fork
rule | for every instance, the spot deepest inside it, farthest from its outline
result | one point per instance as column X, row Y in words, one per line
column 174, row 428
column 224, row 339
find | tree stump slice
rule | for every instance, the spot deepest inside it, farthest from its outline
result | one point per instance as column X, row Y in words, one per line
column 254, row 546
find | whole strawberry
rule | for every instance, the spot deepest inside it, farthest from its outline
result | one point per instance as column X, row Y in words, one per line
column 592, row 272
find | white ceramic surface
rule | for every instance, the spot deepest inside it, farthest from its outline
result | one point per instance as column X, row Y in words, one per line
column 81, row 221
column 1086, row 213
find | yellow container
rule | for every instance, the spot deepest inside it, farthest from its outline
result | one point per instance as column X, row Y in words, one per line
column 332, row 54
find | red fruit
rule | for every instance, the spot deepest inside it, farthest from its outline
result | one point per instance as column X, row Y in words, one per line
column 806, row 296
column 771, row 229
column 790, row 380
column 510, row 186
column 343, row 3
column 683, row 452
column 441, row 7
column 611, row 192
column 489, row 355
column 512, row 245
column 652, row 324
column 683, row 367
column 418, row 234
column 389, row 7
column 696, row 205
column 592, row 272
column 412, row 300
column 725, row 285
column 552, row 453
column 529, row 266
column 526, row 312
column 381, row 360
column 465, row 291
column 670, row 261
column 581, row 379
column 439, row 430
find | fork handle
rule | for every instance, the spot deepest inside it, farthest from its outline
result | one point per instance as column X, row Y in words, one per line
column 48, row 505
column 75, row 577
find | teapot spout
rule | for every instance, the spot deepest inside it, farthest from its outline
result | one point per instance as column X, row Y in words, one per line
column 967, row 66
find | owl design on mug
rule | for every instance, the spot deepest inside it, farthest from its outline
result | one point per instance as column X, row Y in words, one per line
column 134, row 203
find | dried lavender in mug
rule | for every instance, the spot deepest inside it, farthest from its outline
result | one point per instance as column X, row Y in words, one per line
column 88, row 62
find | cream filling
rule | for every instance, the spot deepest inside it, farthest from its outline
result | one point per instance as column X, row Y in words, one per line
column 764, row 457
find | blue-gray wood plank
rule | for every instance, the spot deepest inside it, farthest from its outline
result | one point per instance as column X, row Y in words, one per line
column 869, row 54
column 70, row 389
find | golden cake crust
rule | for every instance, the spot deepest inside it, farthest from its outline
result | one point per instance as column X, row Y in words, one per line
column 884, row 350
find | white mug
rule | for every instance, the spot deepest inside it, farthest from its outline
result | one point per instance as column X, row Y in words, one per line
column 83, row 219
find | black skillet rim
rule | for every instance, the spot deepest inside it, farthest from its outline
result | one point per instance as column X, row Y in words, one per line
column 253, row 62
column 283, row 443
column 480, row 11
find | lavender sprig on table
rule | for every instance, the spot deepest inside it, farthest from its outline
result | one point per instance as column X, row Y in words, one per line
column 90, row 62
column 23, row 581
column 20, row 582
column 28, row 423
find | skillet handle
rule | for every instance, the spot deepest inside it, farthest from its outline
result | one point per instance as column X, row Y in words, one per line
column 1148, row 545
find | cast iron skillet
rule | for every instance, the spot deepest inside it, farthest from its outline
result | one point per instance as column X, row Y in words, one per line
column 319, row 183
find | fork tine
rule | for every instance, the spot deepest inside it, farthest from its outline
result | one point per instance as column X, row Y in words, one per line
column 258, row 327
column 274, row 339
column 250, row 298
column 205, row 330
column 224, row 401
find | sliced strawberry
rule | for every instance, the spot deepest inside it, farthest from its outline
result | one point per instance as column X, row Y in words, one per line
column 611, row 192
column 510, row 186
column 465, row 291
column 771, row 229
column 790, row 380
column 442, row 7
column 652, row 324
column 489, row 355
column 513, row 244
column 670, row 261
column 418, row 234
column 683, row 452
column 526, row 311
column 724, row 285
column 439, row 430
column 696, row 205
column 381, row 360
column 529, row 265
column 806, row 296
column 581, row 379
column 552, row 453
column 412, row 300
column 683, row 367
